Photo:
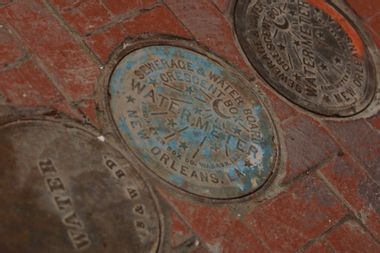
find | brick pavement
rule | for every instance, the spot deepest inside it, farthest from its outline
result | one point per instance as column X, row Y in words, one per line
column 326, row 196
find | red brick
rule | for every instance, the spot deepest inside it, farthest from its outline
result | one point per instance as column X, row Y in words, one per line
column 375, row 37
column 365, row 8
column 358, row 189
column 26, row 85
column 159, row 20
column 200, row 250
column 362, row 141
column 377, row 41
column 308, row 145
column 222, row 5
column 60, row 54
column 180, row 232
column 296, row 216
column 124, row 6
column 10, row 51
column 281, row 109
column 210, row 28
column 3, row 2
column 209, row 223
column 239, row 239
column 351, row 238
column 375, row 121
column 374, row 26
column 374, row 22
column 88, row 108
column 319, row 247
column 83, row 16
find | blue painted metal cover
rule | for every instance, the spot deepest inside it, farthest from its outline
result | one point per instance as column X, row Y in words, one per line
column 193, row 121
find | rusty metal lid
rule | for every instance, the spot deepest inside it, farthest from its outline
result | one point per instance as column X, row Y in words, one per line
column 310, row 52
column 65, row 190
column 193, row 121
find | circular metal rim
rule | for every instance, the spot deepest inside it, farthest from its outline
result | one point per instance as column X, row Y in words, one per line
column 163, row 40
column 349, row 112
column 9, row 120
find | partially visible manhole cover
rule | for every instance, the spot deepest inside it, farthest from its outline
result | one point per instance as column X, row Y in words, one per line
column 64, row 190
column 193, row 122
column 309, row 52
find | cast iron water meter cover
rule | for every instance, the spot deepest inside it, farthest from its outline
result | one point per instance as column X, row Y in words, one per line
column 193, row 121
column 64, row 190
column 309, row 52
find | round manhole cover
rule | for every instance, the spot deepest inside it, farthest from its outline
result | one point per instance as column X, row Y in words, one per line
column 309, row 52
column 192, row 121
column 63, row 190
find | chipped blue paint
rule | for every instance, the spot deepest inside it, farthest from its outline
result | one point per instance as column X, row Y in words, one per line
column 177, row 180
column 208, row 135
column 122, row 124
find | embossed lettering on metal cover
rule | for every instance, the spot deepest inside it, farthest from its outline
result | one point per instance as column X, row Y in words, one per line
column 309, row 52
column 64, row 190
column 193, row 122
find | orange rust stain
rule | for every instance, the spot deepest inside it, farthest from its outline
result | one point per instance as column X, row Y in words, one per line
column 350, row 31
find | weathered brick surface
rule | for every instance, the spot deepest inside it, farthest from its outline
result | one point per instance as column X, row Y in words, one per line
column 216, row 228
column 361, row 141
column 3, row 2
column 281, row 109
column 375, row 121
column 358, row 189
column 365, row 8
column 319, row 247
column 350, row 237
column 210, row 28
column 210, row 223
column 369, row 11
column 376, row 38
column 88, row 109
column 124, row 6
column 373, row 25
column 83, row 16
column 296, row 216
column 157, row 21
column 213, row 225
column 222, row 5
column 201, row 250
column 26, row 85
column 10, row 50
column 59, row 52
column 308, row 145
column 180, row 232
column 239, row 238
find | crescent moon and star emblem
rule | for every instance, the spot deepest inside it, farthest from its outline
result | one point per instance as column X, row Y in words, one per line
column 284, row 25
column 196, row 128
column 217, row 109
